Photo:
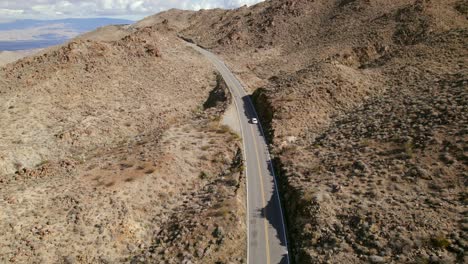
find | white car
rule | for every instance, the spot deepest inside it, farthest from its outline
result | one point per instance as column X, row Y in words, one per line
column 254, row 121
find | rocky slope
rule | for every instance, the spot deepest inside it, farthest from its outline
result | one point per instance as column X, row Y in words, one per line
column 365, row 104
column 107, row 155
column 70, row 98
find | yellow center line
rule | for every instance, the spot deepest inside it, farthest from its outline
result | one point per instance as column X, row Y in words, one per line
column 262, row 189
column 267, row 242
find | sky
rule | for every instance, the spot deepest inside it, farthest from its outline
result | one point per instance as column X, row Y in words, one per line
column 129, row 9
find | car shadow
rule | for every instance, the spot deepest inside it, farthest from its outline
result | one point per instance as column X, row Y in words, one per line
column 272, row 212
column 249, row 110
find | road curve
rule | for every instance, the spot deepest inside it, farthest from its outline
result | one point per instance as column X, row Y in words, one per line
column 266, row 232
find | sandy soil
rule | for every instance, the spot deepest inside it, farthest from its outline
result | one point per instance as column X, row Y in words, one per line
column 231, row 119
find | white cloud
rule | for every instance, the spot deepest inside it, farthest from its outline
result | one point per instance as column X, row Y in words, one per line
column 9, row 12
column 47, row 9
column 138, row 7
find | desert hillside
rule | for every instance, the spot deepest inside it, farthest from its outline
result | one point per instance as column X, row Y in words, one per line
column 108, row 155
column 365, row 103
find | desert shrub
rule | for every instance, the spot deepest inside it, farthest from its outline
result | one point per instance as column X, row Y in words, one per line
column 238, row 169
column 212, row 126
column 140, row 167
column 149, row 171
column 203, row 175
column 232, row 182
column 366, row 142
column 462, row 7
column 463, row 197
column 226, row 209
column 308, row 197
column 288, row 149
column 223, row 129
column 197, row 110
column 222, row 212
column 206, row 147
column 440, row 242
column 91, row 167
column 79, row 158
column 44, row 162
column 413, row 26
column 422, row 260
column 141, row 142
column 316, row 169
column 215, row 118
column 236, row 136
column 409, row 148
column 125, row 165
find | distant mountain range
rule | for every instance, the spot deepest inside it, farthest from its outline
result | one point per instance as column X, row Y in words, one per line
column 79, row 24
column 32, row 34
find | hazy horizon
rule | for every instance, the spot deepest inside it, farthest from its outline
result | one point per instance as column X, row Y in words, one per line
column 27, row 34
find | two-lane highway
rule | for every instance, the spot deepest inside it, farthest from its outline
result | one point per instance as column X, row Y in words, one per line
column 266, row 233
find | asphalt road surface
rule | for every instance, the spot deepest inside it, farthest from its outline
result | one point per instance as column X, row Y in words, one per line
column 266, row 233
